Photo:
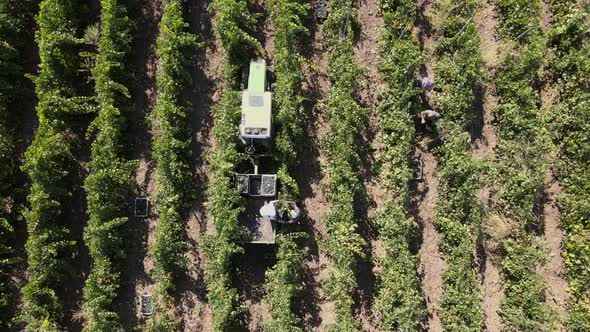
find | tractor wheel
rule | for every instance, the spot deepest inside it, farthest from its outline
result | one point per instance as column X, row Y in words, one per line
column 245, row 73
column 271, row 74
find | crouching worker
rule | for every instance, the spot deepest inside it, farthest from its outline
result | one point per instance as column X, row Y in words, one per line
column 425, row 83
column 275, row 211
column 428, row 119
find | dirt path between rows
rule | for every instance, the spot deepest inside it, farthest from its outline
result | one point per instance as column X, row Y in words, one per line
column 370, row 86
column 143, row 62
column 24, row 134
column 316, row 309
column 424, row 194
column 72, row 291
column 484, row 141
column 195, row 313
column 554, row 270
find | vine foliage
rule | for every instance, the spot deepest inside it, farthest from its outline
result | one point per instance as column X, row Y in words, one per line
column 51, row 165
column 172, row 152
column 399, row 302
column 108, row 182
column 568, row 124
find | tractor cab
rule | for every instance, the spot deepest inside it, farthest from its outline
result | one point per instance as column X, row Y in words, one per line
column 256, row 124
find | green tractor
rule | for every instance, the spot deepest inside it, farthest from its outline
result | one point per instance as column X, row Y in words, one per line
column 257, row 181
column 256, row 124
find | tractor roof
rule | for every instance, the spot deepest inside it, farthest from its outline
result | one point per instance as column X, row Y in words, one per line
column 257, row 76
column 256, row 109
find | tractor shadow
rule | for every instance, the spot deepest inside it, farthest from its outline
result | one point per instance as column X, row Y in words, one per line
column 250, row 279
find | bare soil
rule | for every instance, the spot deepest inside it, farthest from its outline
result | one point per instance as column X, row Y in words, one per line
column 370, row 85
column 484, row 137
column 424, row 194
column 367, row 52
column 316, row 309
column 492, row 288
column 554, row 271
column 194, row 310
column 484, row 142
column 253, row 264
column 141, row 231
column 71, row 294
column 24, row 134
column 432, row 265
column 545, row 16
column 486, row 22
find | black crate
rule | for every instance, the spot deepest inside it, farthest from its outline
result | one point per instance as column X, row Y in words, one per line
column 142, row 206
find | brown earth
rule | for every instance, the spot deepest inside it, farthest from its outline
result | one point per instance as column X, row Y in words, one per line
column 484, row 143
column 486, row 140
column 72, row 291
column 424, row 194
column 370, row 85
column 366, row 50
column 316, row 309
column 206, row 74
column 545, row 16
column 24, row 134
column 143, row 62
column 554, row 271
column 423, row 203
column 253, row 264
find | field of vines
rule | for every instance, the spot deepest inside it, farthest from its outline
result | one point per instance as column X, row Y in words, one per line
column 475, row 219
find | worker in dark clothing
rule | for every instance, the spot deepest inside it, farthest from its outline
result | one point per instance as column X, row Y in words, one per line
column 290, row 214
column 428, row 119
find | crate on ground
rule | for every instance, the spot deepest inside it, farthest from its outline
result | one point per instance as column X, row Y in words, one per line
column 321, row 10
column 142, row 206
column 417, row 169
column 147, row 307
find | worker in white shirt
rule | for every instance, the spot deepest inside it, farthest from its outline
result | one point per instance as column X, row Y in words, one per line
column 274, row 211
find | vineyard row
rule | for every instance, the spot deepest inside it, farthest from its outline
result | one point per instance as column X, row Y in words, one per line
column 520, row 165
column 284, row 281
column 234, row 22
column 399, row 301
column 569, row 121
column 172, row 152
column 346, row 119
column 458, row 214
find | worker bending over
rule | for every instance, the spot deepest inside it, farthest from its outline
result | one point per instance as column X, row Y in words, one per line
column 428, row 118
column 275, row 211
column 425, row 83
